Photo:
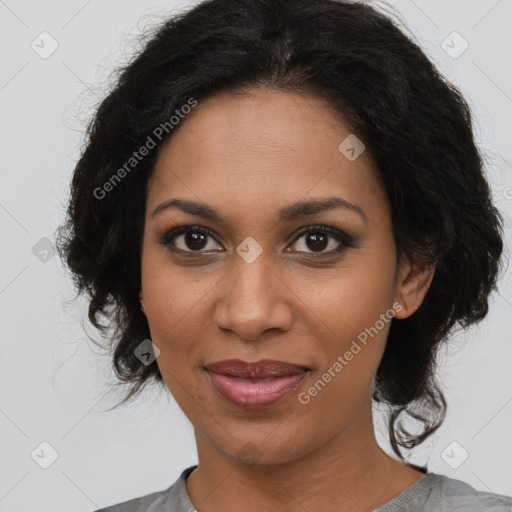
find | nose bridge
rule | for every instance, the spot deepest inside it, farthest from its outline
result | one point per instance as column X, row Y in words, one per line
column 251, row 281
column 251, row 301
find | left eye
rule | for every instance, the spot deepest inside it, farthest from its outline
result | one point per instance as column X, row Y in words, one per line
column 316, row 239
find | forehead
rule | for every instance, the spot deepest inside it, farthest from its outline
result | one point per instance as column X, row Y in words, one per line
column 261, row 149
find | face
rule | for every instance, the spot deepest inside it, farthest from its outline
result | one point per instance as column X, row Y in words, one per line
column 265, row 281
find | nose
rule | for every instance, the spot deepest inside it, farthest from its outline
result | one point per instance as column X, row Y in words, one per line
column 254, row 299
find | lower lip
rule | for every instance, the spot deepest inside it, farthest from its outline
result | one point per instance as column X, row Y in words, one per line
column 255, row 393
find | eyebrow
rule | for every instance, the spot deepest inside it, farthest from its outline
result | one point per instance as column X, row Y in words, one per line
column 295, row 211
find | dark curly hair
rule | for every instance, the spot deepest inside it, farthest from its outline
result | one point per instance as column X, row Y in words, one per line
column 414, row 123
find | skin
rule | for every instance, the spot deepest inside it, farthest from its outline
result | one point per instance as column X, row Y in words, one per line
column 246, row 155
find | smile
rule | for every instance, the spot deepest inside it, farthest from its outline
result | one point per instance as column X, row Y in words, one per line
column 255, row 393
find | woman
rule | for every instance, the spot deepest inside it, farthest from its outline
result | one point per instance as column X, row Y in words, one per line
column 282, row 212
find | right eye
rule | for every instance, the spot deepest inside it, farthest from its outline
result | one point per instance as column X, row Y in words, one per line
column 194, row 239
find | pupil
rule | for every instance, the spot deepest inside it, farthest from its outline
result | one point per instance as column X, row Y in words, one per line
column 319, row 241
column 195, row 240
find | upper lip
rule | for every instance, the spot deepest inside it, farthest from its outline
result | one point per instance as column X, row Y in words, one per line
column 256, row 370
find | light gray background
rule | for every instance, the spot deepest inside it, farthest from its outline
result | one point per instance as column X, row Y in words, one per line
column 55, row 384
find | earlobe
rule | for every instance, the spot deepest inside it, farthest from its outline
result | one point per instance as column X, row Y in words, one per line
column 412, row 286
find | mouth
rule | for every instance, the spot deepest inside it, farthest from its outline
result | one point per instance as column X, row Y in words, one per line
column 255, row 385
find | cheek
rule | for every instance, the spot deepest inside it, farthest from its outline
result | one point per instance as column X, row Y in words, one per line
column 351, row 300
column 173, row 297
column 344, row 381
column 355, row 311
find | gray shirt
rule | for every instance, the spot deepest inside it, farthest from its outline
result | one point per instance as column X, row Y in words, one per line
column 431, row 493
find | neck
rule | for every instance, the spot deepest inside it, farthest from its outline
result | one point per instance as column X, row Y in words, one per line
column 349, row 472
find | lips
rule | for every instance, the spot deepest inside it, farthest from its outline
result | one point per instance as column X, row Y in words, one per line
column 257, row 370
column 255, row 385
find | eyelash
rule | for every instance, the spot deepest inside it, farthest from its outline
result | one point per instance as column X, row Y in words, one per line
column 345, row 240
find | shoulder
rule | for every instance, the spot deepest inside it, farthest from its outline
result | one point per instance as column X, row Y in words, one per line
column 458, row 495
column 449, row 494
column 148, row 503
column 172, row 499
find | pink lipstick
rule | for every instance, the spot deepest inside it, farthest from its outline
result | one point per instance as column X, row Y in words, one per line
column 255, row 385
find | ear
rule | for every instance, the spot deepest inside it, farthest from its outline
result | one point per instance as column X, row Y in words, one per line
column 412, row 284
column 141, row 299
